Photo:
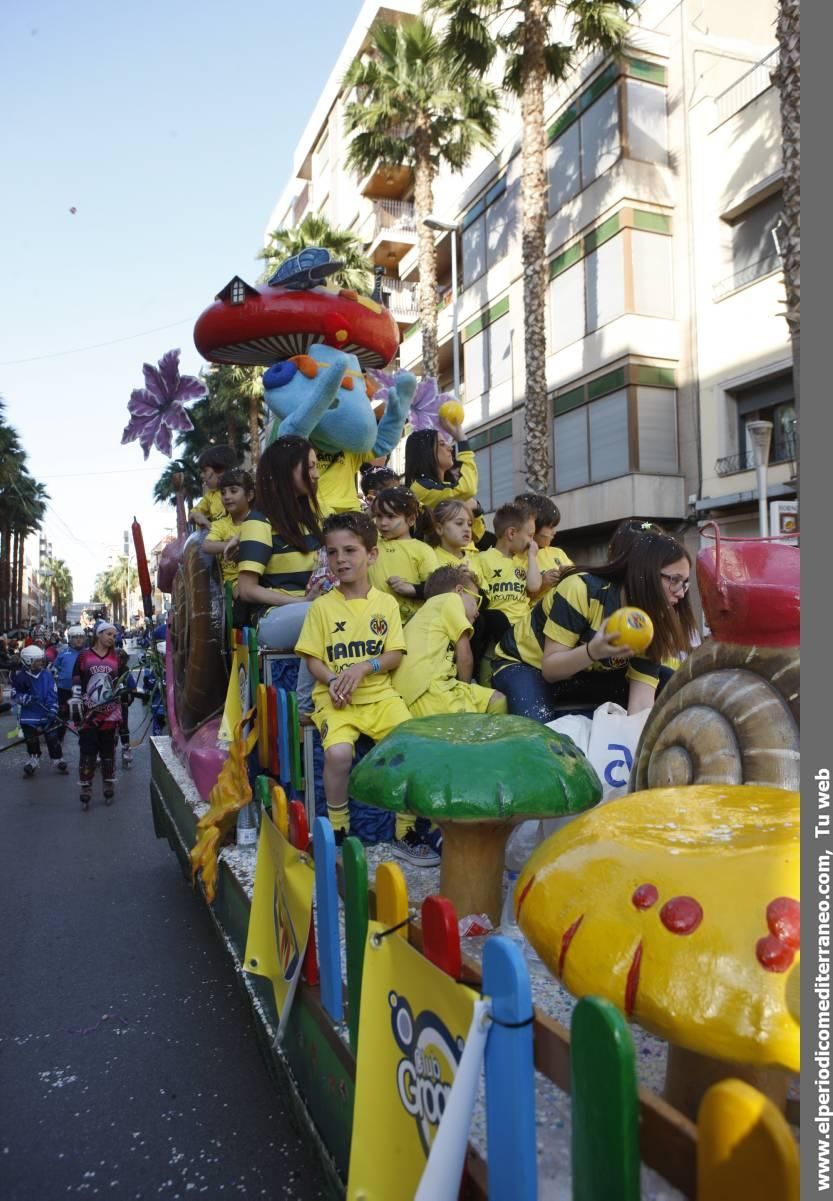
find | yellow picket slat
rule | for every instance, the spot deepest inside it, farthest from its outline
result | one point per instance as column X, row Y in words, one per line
column 745, row 1149
column 262, row 727
column 280, row 809
column 391, row 897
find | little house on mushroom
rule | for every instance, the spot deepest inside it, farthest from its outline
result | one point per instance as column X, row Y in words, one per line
column 476, row 776
column 681, row 906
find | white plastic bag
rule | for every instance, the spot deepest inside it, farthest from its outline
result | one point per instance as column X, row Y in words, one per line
column 576, row 727
column 613, row 741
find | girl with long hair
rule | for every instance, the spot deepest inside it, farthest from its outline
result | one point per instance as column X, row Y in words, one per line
column 432, row 471
column 279, row 545
column 561, row 655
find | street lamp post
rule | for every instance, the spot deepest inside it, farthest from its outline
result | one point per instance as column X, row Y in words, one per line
column 451, row 228
column 760, row 433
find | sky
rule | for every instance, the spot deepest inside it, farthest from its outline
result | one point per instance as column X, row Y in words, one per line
column 169, row 127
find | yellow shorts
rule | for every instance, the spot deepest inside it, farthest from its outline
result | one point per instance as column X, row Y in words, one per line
column 346, row 725
column 462, row 698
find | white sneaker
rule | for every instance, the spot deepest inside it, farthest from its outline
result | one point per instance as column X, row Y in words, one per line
column 31, row 767
column 126, row 756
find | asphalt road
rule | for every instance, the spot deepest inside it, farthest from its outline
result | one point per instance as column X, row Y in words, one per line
column 128, row 1064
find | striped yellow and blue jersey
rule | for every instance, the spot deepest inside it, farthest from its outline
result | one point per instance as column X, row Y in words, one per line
column 571, row 614
column 277, row 562
column 430, row 492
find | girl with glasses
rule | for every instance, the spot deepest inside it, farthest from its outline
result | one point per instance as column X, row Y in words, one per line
column 560, row 654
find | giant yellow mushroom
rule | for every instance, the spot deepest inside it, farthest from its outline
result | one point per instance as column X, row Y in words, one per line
column 681, row 906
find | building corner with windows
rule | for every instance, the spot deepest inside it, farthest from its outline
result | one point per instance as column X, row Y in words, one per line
column 665, row 324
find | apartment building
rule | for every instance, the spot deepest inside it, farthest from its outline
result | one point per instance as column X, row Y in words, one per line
column 664, row 316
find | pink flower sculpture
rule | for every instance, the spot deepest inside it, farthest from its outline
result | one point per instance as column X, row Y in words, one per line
column 425, row 407
column 159, row 408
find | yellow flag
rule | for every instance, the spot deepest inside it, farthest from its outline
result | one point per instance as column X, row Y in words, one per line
column 238, row 699
column 280, row 916
column 412, row 1030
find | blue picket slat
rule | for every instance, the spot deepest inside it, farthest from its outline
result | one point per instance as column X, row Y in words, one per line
column 510, row 1075
column 284, row 766
column 326, row 905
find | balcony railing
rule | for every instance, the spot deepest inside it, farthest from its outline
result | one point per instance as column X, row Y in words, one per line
column 745, row 461
column 400, row 298
column 393, row 217
column 748, row 275
column 745, row 89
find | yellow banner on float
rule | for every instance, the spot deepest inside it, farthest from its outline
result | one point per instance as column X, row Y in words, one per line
column 238, row 698
column 412, row 1030
column 280, row 916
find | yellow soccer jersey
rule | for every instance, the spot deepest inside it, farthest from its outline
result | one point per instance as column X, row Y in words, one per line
column 504, row 582
column 409, row 559
column 431, row 636
column 211, row 504
column 337, row 480
column 342, row 632
column 470, row 559
column 552, row 556
column 221, row 530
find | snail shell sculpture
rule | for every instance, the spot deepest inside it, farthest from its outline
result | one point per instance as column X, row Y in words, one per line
column 200, row 671
column 729, row 715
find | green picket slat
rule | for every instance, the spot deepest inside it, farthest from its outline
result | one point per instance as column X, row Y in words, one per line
column 295, row 769
column 355, row 929
column 263, row 792
column 605, row 1106
column 254, row 665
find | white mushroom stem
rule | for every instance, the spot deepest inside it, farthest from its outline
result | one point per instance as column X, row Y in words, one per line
column 471, row 875
column 688, row 1075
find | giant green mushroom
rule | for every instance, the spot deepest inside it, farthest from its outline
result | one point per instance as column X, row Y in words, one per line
column 476, row 776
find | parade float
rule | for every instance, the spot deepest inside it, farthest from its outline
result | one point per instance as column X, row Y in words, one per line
column 422, row 1064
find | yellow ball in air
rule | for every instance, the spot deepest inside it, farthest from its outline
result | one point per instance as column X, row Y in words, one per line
column 452, row 412
column 633, row 627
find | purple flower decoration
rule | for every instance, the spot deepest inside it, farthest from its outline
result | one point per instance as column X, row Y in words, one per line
column 159, row 407
column 425, row 407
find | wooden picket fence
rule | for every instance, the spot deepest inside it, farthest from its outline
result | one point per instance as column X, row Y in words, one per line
column 742, row 1148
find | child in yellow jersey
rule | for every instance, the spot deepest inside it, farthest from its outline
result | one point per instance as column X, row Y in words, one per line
column 237, row 489
column 213, row 461
column 404, row 564
column 352, row 640
column 435, row 675
column 551, row 559
column 450, row 534
column 509, row 572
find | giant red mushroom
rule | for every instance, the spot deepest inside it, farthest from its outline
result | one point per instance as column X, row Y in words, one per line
column 267, row 324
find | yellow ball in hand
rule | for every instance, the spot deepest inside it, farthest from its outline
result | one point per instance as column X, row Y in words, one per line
column 633, row 628
column 452, row 412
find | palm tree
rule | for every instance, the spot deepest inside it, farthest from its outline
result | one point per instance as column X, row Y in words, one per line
column 61, row 585
column 241, row 389
column 110, row 586
column 477, row 32
column 788, row 79
column 315, row 230
column 415, row 107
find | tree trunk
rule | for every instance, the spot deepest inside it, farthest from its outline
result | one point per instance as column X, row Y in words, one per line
column 254, row 431
column 534, row 250
column 5, row 578
column 423, row 203
column 788, row 80
column 17, row 589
